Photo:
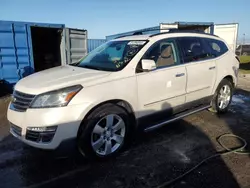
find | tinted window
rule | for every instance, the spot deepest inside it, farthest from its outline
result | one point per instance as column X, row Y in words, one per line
column 217, row 47
column 164, row 53
column 193, row 49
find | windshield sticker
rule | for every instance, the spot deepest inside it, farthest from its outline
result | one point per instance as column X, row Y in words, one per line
column 136, row 42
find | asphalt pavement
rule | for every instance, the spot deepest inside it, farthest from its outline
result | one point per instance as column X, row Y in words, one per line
column 153, row 158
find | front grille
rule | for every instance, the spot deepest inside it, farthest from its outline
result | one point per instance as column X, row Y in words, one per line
column 21, row 101
column 32, row 136
column 15, row 129
column 43, row 137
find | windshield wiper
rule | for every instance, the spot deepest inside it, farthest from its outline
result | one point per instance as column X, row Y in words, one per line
column 91, row 67
column 74, row 64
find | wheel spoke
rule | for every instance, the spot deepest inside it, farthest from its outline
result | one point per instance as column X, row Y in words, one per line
column 98, row 129
column 225, row 89
column 108, row 147
column 118, row 138
column 118, row 126
column 224, row 105
column 98, row 144
column 221, row 104
column 110, row 120
column 221, row 91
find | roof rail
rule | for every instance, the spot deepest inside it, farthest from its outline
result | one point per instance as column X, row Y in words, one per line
column 173, row 30
column 135, row 33
column 180, row 31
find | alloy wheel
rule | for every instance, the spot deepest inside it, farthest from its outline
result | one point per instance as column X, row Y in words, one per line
column 224, row 97
column 108, row 134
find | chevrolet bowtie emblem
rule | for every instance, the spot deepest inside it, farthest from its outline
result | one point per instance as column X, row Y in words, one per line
column 13, row 99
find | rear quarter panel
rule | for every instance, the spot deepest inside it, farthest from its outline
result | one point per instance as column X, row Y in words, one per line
column 225, row 65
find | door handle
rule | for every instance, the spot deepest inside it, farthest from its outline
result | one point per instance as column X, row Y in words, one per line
column 211, row 68
column 180, row 74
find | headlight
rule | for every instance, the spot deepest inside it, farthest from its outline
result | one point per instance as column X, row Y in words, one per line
column 56, row 98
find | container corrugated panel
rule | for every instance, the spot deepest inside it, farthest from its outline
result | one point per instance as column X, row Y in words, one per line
column 15, row 53
column 94, row 43
column 150, row 30
column 16, row 57
column 77, row 43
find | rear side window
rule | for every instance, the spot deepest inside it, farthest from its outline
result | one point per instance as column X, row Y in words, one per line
column 217, row 47
column 193, row 49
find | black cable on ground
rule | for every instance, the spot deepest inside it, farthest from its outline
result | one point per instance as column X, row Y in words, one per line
column 238, row 150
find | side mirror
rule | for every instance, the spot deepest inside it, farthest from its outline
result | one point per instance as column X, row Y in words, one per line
column 148, row 65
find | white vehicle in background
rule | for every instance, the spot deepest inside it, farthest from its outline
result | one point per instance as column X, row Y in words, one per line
column 124, row 84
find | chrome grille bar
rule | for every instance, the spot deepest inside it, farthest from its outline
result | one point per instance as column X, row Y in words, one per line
column 21, row 101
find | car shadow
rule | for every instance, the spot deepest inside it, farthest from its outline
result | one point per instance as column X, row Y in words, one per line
column 152, row 159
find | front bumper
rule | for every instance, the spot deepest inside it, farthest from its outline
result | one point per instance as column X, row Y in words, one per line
column 67, row 119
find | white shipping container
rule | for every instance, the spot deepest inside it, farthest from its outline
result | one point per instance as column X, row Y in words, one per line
column 228, row 32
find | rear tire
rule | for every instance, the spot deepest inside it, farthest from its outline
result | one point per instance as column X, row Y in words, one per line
column 222, row 97
column 105, row 132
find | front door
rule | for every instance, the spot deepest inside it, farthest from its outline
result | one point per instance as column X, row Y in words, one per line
column 165, row 87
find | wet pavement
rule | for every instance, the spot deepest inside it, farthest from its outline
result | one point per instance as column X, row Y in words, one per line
column 153, row 159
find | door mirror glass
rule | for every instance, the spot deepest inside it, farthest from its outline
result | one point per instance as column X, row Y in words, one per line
column 148, row 65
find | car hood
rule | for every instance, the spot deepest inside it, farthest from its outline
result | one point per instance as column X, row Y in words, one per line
column 58, row 77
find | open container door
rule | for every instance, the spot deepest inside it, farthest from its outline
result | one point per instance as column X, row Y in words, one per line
column 75, row 45
column 228, row 32
column 15, row 51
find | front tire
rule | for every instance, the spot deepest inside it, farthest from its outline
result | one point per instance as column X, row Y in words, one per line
column 222, row 97
column 105, row 132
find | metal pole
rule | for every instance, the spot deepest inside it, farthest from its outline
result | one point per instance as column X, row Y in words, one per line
column 243, row 42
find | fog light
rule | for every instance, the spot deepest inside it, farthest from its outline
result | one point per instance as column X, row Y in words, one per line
column 42, row 129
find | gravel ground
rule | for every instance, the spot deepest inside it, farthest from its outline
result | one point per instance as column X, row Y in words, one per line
column 153, row 159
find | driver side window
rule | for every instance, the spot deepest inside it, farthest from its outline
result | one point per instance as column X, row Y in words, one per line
column 164, row 53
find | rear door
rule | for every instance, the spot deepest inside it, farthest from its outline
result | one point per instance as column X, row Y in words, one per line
column 229, row 33
column 200, row 67
column 75, row 45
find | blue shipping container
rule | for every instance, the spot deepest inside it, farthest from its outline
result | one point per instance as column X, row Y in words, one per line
column 31, row 47
column 94, row 43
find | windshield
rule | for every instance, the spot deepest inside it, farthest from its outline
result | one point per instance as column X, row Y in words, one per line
column 111, row 56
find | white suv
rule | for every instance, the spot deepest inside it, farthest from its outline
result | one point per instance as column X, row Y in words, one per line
column 135, row 81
